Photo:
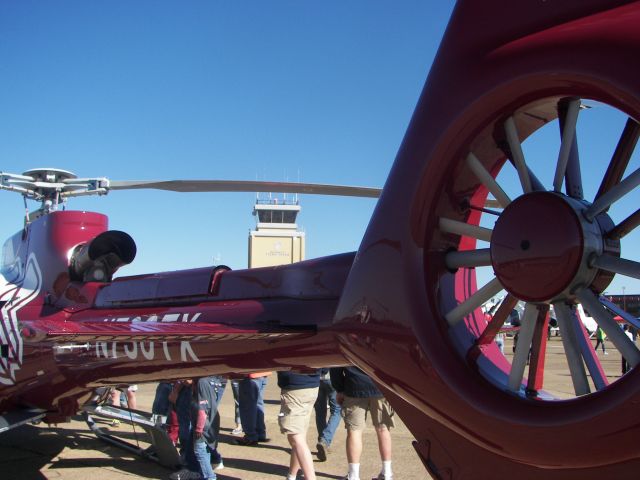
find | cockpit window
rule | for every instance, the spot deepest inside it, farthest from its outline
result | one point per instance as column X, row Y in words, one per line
column 11, row 263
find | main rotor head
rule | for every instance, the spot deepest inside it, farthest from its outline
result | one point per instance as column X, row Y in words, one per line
column 51, row 186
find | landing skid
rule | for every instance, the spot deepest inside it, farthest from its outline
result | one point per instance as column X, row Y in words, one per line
column 17, row 418
column 161, row 450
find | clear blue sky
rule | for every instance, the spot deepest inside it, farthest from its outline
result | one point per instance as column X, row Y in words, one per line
column 275, row 90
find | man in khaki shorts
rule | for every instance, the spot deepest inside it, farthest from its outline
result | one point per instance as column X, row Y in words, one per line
column 359, row 396
column 297, row 397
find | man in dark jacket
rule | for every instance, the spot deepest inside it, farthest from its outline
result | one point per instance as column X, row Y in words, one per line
column 203, row 437
column 359, row 396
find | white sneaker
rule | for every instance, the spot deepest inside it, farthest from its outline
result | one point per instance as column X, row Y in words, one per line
column 185, row 474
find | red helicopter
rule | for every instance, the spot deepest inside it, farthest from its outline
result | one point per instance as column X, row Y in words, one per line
column 406, row 307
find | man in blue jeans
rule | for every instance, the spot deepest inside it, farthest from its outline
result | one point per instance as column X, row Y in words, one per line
column 219, row 384
column 180, row 397
column 251, row 400
column 203, row 437
column 326, row 429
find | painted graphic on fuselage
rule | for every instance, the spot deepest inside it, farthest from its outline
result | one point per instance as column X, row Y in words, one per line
column 144, row 350
column 167, row 318
column 14, row 296
column 148, row 350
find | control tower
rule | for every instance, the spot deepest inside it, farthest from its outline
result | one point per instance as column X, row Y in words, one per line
column 276, row 239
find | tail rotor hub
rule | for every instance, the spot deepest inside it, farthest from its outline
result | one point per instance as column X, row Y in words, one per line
column 541, row 246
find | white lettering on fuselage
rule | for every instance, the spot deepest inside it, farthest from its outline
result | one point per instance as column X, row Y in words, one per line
column 168, row 318
column 146, row 350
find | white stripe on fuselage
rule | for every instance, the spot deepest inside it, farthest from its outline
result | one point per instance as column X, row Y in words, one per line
column 16, row 295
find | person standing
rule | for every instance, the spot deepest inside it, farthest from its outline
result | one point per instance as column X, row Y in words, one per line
column 219, row 383
column 359, row 396
column 203, row 437
column 180, row 399
column 235, row 386
column 326, row 428
column 298, row 395
column 600, row 336
column 625, row 364
column 161, row 404
column 251, row 400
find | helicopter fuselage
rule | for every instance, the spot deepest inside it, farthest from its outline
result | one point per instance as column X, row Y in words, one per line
column 63, row 338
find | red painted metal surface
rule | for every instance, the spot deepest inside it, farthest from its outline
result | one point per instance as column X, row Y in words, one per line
column 75, row 336
column 497, row 58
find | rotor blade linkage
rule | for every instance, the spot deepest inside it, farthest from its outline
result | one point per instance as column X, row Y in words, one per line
column 481, row 296
column 604, row 319
column 76, row 187
column 461, row 228
column 487, row 180
column 194, row 186
column 517, row 155
column 17, row 183
column 568, row 135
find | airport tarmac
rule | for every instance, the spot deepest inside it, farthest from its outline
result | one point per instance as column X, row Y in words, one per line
column 71, row 452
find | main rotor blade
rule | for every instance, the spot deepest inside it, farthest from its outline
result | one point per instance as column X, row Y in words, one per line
column 246, row 186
